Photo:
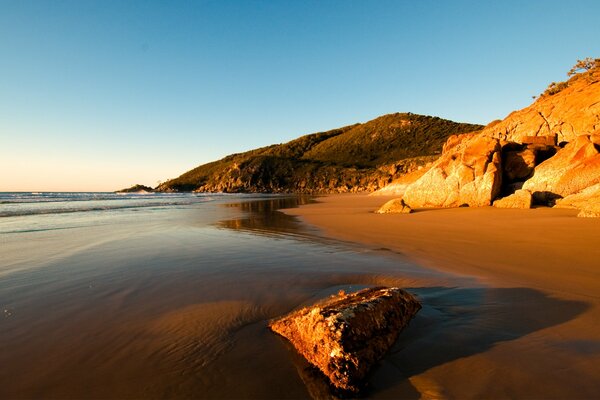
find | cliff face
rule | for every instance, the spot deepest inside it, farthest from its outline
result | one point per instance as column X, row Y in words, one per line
column 361, row 157
column 572, row 111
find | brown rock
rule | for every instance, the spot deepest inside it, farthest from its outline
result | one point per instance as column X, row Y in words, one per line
column 520, row 199
column 468, row 173
column 346, row 335
column 394, row 206
column 572, row 169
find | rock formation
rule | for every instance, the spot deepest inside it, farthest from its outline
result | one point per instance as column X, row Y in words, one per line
column 394, row 206
column 467, row 174
column 519, row 199
column 572, row 169
column 549, row 149
column 560, row 117
column 587, row 201
column 346, row 335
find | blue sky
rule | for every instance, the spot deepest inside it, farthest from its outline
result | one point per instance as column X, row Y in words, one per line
column 98, row 95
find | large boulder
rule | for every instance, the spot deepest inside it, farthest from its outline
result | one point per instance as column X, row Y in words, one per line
column 587, row 202
column 572, row 169
column 346, row 335
column 519, row 199
column 468, row 173
column 394, row 206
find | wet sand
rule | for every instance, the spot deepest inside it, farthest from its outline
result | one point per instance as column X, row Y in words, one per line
column 530, row 329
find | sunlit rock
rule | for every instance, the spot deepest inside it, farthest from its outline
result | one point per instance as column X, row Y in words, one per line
column 344, row 336
column 394, row 206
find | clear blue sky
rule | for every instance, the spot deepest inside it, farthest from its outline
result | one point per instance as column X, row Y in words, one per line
column 98, row 95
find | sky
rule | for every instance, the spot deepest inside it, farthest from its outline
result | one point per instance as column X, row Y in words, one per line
column 100, row 95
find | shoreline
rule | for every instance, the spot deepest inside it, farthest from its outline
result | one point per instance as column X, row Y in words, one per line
column 544, row 248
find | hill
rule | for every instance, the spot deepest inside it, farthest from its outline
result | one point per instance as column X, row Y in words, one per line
column 359, row 157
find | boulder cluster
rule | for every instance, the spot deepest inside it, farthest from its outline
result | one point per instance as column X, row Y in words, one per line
column 546, row 154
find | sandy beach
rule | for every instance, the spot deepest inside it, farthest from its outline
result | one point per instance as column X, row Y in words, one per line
column 536, row 334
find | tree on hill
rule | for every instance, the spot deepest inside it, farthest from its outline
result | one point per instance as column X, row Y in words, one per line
column 584, row 66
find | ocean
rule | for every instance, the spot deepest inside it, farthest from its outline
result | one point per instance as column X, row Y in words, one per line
column 166, row 295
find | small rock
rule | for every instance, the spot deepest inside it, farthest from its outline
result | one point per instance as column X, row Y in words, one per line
column 394, row 206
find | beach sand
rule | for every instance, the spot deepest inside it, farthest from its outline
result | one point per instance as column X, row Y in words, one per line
column 535, row 332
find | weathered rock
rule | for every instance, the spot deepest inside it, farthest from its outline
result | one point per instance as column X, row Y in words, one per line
column 520, row 199
column 560, row 117
column 588, row 214
column 467, row 173
column 572, row 169
column 346, row 335
column 394, row 206
column 587, row 201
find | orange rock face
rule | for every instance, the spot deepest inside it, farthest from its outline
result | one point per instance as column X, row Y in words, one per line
column 572, row 169
column 346, row 335
column 562, row 117
column 587, row 202
column 468, row 173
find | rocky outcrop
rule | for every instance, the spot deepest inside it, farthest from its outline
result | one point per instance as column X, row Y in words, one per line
column 346, row 335
column 572, row 169
column 467, row 174
column 141, row 189
column 519, row 199
column 587, row 202
column 394, row 206
column 559, row 117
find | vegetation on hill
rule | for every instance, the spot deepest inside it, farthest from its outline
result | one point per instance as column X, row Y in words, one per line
column 583, row 69
column 353, row 158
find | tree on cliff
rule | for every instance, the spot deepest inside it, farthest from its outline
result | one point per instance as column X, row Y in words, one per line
column 584, row 65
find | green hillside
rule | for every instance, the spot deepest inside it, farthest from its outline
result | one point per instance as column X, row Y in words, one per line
column 358, row 157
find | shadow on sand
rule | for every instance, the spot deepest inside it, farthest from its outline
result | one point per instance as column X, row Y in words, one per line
column 454, row 323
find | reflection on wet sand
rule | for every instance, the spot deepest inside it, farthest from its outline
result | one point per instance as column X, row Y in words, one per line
column 263, row 217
